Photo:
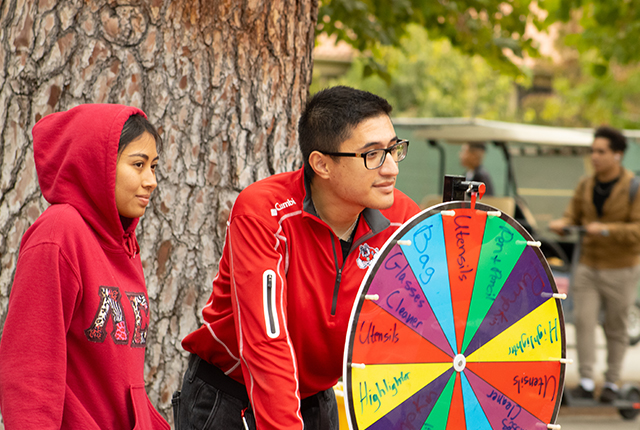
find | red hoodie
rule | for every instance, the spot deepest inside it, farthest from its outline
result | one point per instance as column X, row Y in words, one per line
column 73, row 344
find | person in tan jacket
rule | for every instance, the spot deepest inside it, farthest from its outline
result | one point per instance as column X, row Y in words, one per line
column 608, row 271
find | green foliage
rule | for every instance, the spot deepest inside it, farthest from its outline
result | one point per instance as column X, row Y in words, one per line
column 433, row 79
column 581, row 99
column 611, row 27
column 460, row 69
column 484, row 27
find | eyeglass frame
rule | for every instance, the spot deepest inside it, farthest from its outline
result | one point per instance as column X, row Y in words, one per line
column 363, row 155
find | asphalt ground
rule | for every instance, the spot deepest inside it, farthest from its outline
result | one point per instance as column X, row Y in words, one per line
column 600, row 417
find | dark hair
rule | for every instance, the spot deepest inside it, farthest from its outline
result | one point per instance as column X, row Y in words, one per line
column 133, row 128
column 330, row 116
column 478, row 145
column 617, row 141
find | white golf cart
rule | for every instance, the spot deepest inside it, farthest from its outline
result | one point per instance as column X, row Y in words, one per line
column 534, row 170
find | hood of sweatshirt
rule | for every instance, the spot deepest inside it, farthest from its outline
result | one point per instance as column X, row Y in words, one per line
column 76, row 153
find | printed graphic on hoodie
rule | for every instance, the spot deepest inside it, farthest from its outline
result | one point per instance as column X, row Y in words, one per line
column 111, row 306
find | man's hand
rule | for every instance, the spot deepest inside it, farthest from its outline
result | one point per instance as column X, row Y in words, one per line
column 558, row 226
column 597, row 229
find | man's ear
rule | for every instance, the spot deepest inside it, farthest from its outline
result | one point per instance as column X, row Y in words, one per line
column 318, row 163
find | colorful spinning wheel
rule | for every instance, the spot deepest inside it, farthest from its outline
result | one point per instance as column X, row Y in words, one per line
column 458, row 325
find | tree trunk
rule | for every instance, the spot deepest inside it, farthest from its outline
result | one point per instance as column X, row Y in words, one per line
column 223, row 80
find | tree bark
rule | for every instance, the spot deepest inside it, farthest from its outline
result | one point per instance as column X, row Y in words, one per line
column 223, row 80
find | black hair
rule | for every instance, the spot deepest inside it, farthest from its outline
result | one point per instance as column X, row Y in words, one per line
column 133, row 128
column 330, row 116
column 617, row 140
column 478, row 145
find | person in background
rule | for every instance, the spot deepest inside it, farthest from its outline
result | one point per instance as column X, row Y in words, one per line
column 297, row 247
column 73, row 344
column 607, row 274
column 471, row 158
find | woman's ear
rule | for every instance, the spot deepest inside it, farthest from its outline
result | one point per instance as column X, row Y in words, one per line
column 319, row 164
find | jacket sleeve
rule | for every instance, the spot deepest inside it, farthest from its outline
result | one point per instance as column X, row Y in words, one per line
column 627, row 232
column 33, row 348
column 259, row 300
column 573, row 213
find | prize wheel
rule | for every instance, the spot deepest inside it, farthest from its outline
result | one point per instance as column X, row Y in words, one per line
column 457, row 325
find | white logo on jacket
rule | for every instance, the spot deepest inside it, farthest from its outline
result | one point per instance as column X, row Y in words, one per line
column 279, row 206
column 367, row 255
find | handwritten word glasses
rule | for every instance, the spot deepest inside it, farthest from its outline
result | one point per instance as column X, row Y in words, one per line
column 375, row 158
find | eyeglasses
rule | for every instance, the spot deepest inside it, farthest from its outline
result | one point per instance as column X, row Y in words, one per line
column 375, row 158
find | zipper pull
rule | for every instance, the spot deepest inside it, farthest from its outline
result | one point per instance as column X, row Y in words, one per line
column 336, row 288
column 244, row 420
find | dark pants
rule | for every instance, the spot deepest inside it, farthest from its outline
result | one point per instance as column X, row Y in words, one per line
column 218, row 404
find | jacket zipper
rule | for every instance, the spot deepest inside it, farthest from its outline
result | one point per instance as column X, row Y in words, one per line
column 336, row 287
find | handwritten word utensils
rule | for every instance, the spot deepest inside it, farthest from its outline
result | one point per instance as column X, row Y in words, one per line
column 457, row 324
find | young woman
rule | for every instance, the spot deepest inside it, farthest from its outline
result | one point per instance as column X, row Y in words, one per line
column 73, row 344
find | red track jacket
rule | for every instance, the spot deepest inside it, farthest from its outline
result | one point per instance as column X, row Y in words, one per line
column 277, row 318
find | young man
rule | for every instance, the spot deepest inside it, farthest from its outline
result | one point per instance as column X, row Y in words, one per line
column 608, row 271
column 297, row 247
column 471, row 157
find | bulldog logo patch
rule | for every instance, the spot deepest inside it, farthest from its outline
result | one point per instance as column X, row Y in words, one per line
column 367, row 254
